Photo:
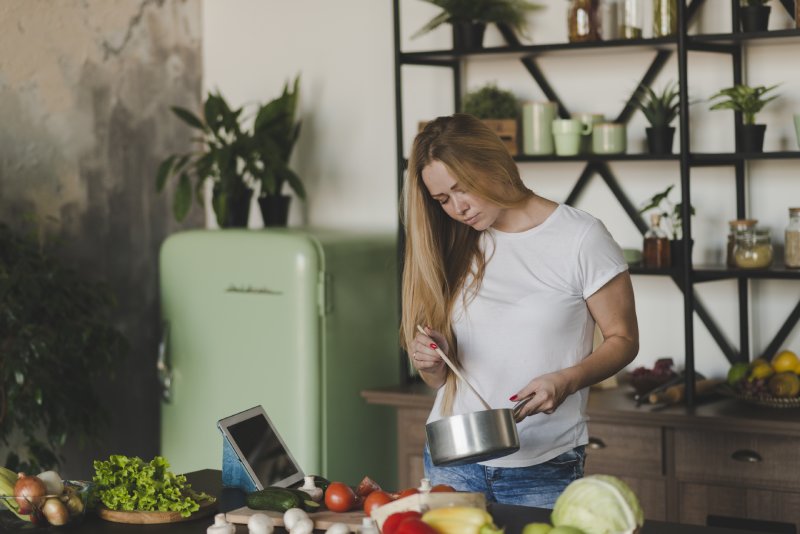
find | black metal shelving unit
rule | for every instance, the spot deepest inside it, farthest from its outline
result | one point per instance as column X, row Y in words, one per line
column 685, row 275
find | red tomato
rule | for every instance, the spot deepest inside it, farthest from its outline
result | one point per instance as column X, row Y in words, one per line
column 375, row 499
column 393, row 521
column 407, row 492
column 415, row 526
column 442, row 487
column 339, row 497
column 366, row 486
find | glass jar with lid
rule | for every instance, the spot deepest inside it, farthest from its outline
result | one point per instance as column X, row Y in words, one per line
column 753, row 249
column 736, row 226
column 665, row 18
column 791, row 256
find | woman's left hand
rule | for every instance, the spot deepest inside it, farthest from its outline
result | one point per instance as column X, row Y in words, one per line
column 547, row 391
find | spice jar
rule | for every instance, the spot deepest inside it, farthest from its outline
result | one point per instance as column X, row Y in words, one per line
column 632, row 19
column 582, row 21
column 753, row 249
column 665, row 18
column 739, row 225
column 791, row 256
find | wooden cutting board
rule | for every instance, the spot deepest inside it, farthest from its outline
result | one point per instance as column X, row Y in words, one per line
column 154, row 518
column 322, row 520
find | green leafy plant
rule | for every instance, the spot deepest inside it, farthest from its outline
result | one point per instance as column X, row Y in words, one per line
column 745, row 99
column 56, row 339
column 671, row 213
column 510, row 12
column 125, row 483
column 234, row 157
column 659, row 108
column 490, row 102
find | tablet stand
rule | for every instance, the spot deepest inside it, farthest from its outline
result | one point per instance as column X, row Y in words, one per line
column 234, row 475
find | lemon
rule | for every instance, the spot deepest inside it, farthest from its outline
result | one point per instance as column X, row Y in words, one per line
column 785, row 361
column 761, row 370
column 737, row 373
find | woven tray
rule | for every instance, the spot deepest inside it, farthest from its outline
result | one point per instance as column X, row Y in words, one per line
column 760, row 400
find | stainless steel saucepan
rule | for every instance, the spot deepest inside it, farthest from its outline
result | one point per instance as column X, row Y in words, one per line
column 476, row 436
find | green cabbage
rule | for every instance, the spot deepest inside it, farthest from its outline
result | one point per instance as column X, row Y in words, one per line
column 598, row 504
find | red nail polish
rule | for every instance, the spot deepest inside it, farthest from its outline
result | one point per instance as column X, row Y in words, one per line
column 434, row 346
column 513, row 398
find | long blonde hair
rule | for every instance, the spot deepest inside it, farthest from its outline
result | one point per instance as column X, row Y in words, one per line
column 441, row 254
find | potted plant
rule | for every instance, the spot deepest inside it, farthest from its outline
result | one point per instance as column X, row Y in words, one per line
column 754, row 15
column 671, row 220
column 234, row 158
column 57, row 340
column 748, row 101
column 275, row 132
column 470, row 17
column 498, row 109
column 222, row 148
column 660, row 109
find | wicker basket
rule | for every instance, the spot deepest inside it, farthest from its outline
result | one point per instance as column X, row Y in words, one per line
column 760, row 400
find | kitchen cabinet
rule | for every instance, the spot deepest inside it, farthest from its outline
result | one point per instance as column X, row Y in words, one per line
column 724, row 462
column 682, row 272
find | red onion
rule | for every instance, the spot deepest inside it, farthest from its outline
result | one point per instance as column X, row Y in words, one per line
column 27, row 490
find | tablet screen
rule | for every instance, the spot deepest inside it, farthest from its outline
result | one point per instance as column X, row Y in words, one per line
column 263, row 450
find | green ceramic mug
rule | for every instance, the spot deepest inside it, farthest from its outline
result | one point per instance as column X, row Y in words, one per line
column 609, row 138
column 588, row 118
column 567, row 134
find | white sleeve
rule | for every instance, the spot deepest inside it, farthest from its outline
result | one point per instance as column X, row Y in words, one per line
column 599, row 259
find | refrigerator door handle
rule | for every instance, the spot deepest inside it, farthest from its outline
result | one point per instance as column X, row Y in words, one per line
column 162, row 366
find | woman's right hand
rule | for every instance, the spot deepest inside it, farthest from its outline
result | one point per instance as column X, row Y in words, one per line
column 423, row 355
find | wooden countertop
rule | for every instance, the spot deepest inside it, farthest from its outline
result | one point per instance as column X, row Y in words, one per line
column 617, row 406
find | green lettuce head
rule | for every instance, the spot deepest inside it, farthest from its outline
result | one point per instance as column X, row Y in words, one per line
column 598, row 504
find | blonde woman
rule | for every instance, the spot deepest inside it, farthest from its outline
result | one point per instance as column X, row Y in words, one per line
column 510, row 286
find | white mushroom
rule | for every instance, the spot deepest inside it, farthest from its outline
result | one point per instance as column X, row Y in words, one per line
column 292, row 516
column 260, row 524
column 338, row 528
column 303, row 526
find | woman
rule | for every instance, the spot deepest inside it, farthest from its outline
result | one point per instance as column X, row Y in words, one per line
column 510, row 286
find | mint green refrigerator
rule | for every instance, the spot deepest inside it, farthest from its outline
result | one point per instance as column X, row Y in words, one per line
column 298, row 321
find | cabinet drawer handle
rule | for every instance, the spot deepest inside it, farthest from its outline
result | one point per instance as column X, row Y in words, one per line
column 596, row 444
column 746, row 455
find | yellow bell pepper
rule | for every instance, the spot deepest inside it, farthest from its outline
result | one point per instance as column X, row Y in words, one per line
column 461, row 520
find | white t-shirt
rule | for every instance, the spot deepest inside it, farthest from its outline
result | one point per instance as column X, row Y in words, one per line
column 530, row 318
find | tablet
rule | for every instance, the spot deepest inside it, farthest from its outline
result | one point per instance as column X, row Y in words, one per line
column 260, row 448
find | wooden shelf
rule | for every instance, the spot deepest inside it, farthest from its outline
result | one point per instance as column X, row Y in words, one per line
column 598, row 157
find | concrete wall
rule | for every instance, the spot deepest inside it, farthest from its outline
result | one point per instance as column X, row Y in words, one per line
column 85, row 90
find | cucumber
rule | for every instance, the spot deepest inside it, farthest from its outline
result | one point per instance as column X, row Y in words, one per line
column 308, row 503
column 274, row 499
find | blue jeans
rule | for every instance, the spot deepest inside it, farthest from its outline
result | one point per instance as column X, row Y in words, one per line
column 536, row 485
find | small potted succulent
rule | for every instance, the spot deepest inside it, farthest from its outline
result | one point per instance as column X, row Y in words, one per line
column 660, row 109
column 499, row 109
column 754, row 15
column 671, row 220
column 470, row 17
column 748, row 101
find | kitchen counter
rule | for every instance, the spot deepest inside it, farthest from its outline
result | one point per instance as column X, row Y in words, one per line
column 617, row 405
column 723, row 462
column 513, row 518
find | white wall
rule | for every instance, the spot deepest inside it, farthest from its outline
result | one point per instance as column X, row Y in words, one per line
column 346, row 152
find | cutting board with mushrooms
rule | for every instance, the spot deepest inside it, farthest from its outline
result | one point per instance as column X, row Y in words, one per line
column 322, row 520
